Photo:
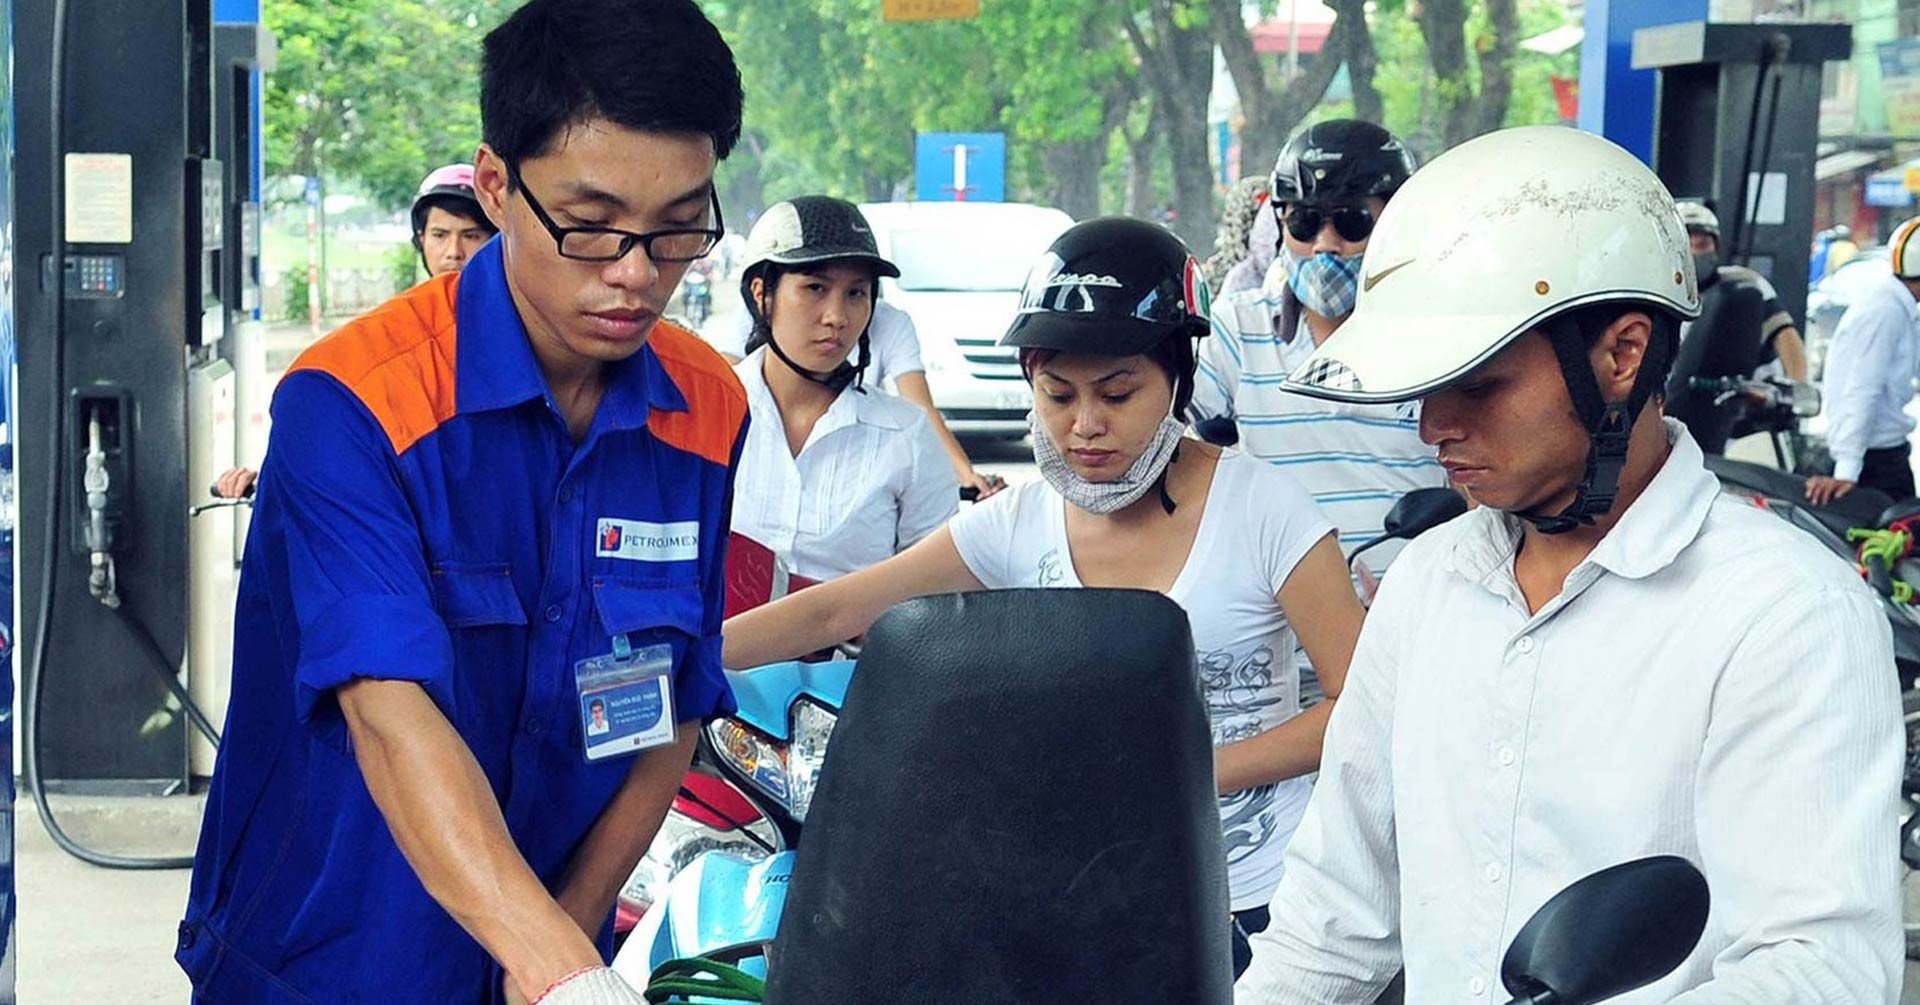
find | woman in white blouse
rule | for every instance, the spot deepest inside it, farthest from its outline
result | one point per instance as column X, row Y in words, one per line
column 834, row 475
column 1106, row 334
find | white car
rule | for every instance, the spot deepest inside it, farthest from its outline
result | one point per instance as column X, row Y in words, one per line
column 961, row 266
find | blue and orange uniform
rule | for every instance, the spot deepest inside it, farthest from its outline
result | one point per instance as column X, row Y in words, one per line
column 425, row 515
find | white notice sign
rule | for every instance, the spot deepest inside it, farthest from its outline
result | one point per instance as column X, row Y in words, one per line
column 99, row 198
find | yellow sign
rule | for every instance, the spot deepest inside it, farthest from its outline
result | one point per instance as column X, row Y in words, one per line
column 1913, row 179
column 929, row 10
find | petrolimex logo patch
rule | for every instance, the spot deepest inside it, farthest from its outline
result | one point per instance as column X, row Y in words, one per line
column 644, row 541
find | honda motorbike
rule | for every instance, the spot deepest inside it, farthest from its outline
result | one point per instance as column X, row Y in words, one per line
column 714, row 881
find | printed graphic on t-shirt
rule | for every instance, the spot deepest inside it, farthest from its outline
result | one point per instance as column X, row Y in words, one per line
column 1239, row 690
column 1050, row 570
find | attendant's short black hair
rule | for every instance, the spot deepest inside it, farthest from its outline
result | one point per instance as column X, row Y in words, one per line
column 650, row 65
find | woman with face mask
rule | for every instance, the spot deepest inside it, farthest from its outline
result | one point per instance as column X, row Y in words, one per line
column 1106, row 334
column 834, row 476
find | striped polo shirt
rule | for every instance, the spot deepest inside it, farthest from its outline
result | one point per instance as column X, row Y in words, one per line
column 1355, row 460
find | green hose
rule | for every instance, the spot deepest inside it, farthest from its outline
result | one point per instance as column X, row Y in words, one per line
column 683, row 980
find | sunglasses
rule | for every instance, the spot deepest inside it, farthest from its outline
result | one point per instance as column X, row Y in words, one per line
column 1352, row 223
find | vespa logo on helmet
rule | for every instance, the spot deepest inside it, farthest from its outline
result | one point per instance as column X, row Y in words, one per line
column 1049, row 287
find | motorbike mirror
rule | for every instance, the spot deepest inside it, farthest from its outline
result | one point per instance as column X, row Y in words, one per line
column 1219, row 431
column 1619, row 929
column 1414, row 514
column 1422, row 510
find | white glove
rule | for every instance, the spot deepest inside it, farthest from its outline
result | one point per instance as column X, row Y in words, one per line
column 593, row 986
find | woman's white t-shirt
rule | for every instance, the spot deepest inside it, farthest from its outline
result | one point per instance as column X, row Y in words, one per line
column 1257, row 525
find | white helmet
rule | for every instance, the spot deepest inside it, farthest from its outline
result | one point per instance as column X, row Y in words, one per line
column 1697, row 215
column 1494, row 237
column 1905, row 250
column 1504, row 235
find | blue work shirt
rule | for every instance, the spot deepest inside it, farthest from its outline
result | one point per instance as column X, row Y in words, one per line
column 425, row 515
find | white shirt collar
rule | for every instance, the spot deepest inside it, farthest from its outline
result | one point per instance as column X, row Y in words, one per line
column 866, row 408
column 1659, row 525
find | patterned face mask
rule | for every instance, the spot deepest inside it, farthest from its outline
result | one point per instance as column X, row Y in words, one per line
column 1326, row 284
column 1116, row 495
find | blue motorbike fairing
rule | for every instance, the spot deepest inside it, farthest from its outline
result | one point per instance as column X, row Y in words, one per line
column 766, row 694
column 724, row 906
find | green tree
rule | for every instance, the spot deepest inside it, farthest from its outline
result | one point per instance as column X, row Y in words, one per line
column 379, row 91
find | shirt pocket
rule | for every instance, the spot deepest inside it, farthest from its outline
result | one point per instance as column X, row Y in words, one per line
column 474, row 595
column 640, row 608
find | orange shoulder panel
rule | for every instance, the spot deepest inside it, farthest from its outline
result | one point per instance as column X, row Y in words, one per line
column 397, row 359
column 716, row 403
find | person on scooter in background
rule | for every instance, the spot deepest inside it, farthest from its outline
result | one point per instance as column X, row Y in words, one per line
column 1329, row 185
column 486, row 504
column 448, row 224
column 895, row 365
column 1106, row 333
column 1782, row 353
column 1609, row 658
column 1868, row 380
column 835, row 475
column 448, row 228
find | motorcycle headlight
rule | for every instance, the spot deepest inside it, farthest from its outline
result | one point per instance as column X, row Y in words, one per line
column 785, row 774
column 682, row 839
column 812, row 728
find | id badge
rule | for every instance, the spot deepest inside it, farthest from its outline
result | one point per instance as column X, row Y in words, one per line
column 626, row 700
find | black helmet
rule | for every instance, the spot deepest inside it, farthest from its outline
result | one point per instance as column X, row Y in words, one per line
column 1114, row 286
column 1340, row 160
column 810, row 230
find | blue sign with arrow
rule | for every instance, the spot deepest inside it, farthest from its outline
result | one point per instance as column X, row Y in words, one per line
column 960, row 167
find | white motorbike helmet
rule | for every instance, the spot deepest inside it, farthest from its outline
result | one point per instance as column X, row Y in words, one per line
column 1504, row 235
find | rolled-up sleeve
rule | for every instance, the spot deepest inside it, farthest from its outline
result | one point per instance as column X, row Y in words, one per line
column 356, row 565
column 1798, row 786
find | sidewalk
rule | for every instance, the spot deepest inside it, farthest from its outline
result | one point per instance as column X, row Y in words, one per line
column 90, row 935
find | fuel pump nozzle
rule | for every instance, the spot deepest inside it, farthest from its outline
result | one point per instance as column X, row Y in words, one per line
column 102, row 581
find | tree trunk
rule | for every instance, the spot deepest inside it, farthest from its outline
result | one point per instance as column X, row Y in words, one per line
column 1073, row 166
column 1443, row 23
column 1362, row 60
column 1178, row 64
column 1496, row 64
column 1140, row 151
column 1269, row 117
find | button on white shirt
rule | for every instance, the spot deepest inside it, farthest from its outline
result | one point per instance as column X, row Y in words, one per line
column 1870, row 369
column 870, row 480
column 1710, row 683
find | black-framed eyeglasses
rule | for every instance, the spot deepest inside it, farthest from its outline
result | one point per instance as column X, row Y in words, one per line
column 1352, row 223
column 607, row 244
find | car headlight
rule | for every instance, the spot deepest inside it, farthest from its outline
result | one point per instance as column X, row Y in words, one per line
column 786, row 774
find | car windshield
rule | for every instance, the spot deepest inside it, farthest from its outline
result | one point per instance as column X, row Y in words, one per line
column 977, row 261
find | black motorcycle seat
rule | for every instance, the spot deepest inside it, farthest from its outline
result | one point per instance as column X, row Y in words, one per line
column 1863, row 507
column 1018, row 806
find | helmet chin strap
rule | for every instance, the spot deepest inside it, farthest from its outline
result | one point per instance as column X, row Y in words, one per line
column 1609, row 426
column 838, row 379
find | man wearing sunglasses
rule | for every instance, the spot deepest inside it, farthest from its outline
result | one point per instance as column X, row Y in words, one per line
column 489, row 508
column 1329, row 185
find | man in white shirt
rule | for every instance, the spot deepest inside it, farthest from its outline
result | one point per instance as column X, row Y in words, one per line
column 1608, row 659
column 1329, row 185
column 1868, row 381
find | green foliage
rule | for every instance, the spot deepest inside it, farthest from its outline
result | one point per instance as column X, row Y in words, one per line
column 377, row 90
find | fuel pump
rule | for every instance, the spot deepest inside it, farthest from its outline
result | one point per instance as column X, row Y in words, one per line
column 131, row 278
column 1736, row 120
